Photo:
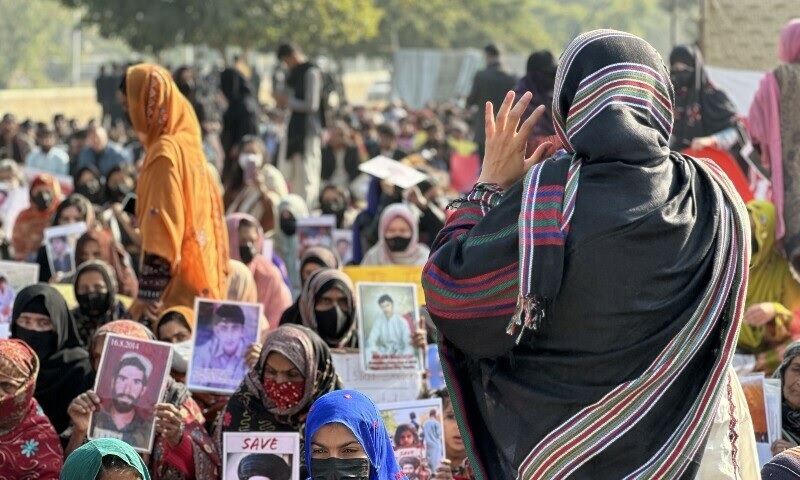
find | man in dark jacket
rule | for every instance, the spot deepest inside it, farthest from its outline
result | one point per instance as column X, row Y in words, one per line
column 490, row 85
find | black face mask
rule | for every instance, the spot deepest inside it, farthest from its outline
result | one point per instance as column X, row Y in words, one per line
column 682, row 79
column 398, row 244
column 93, row 304
column 90, row 190
column 334, row 207
column 118, row 192
column 332, row 323
column 288, row 226
column 340, row 468
column 43, row 200
column 247, row 253
column 44, row 344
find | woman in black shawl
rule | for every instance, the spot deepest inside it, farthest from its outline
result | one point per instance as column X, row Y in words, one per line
column 241, row 117
column 588, row 314
column 704, row 115
column 42, row 320
column 294, row 369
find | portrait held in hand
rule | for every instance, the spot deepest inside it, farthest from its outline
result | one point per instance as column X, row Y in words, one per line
column 130, row 382
column 224, row 332
column 389, row 318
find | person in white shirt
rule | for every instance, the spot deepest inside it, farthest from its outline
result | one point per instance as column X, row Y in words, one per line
column 47, row 157
column 390, row 334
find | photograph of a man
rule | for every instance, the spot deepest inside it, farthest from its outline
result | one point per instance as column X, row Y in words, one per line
column 221, row 343
column 61, row 255
column 390, row 333
column 123, row 419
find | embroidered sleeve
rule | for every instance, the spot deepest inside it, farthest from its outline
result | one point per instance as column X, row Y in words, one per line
column 155, row 276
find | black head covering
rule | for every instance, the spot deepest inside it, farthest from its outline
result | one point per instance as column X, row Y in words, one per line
column 701, row 109
column 264, row 465
column 233, row 84
column 541, row 69
column 84, row 325
column 644, row 241
column 66, row 373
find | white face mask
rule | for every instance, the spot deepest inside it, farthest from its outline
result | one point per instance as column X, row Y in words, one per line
column 247, row 159
column 181, row 354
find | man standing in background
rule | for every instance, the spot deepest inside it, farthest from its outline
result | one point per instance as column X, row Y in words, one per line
column 300, row 156
column 490, row 85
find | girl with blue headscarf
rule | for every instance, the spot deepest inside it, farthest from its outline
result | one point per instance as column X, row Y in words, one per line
column 346, row 438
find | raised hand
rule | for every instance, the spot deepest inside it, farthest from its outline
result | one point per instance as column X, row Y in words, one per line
column 504, row 162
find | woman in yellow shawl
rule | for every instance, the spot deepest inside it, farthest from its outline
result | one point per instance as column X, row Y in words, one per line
column 773, row 295
column 178, row 206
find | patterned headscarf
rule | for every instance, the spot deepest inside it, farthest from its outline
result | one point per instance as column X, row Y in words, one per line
column 18, row 362
column 29, row 445
column 605, row 77
column 321, row 256
column 250, row 409
column 701, row 108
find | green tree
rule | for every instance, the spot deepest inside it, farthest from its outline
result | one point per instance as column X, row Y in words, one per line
column 31, row 33
column 154, row 25
column 149, row 26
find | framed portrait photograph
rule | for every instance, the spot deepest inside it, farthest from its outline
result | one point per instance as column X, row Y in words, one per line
column 388, row 318
column 14, row 276
column 315, row 232
column 417, row 435
column 130, row 382
column 223, row 332
column 261, row 455
column 60, row 245
column 343, row 245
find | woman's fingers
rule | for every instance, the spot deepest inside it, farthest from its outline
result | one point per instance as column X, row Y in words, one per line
column 502, row 114
column 527, row 126
column 537, row 156
column 517, row 111
column 489, row 119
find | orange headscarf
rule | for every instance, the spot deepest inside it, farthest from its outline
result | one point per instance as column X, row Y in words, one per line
column 31, row 222
column 179, row 207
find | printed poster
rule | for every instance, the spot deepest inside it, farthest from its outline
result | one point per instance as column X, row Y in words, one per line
column 380, row 388
column 224, row 331
column 388, row 274
column 60, row 243
column 417, row 435
column 315, row 232
column 343, row 245
column 388, row 318
column 130, row 382
column 257, row 455
column 391, row 170
column 14, row 276
column 764, row 403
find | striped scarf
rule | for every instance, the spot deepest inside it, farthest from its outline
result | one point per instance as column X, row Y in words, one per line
column 548, row 201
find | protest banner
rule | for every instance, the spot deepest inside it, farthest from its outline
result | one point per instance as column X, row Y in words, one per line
column 380, row 388
column 417, row 435
column 273, row 455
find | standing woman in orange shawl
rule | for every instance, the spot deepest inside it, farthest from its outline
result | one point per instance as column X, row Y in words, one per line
column 31, row 222
column 178, row 206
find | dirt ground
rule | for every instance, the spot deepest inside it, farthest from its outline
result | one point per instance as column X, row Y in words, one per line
column 41, row 104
